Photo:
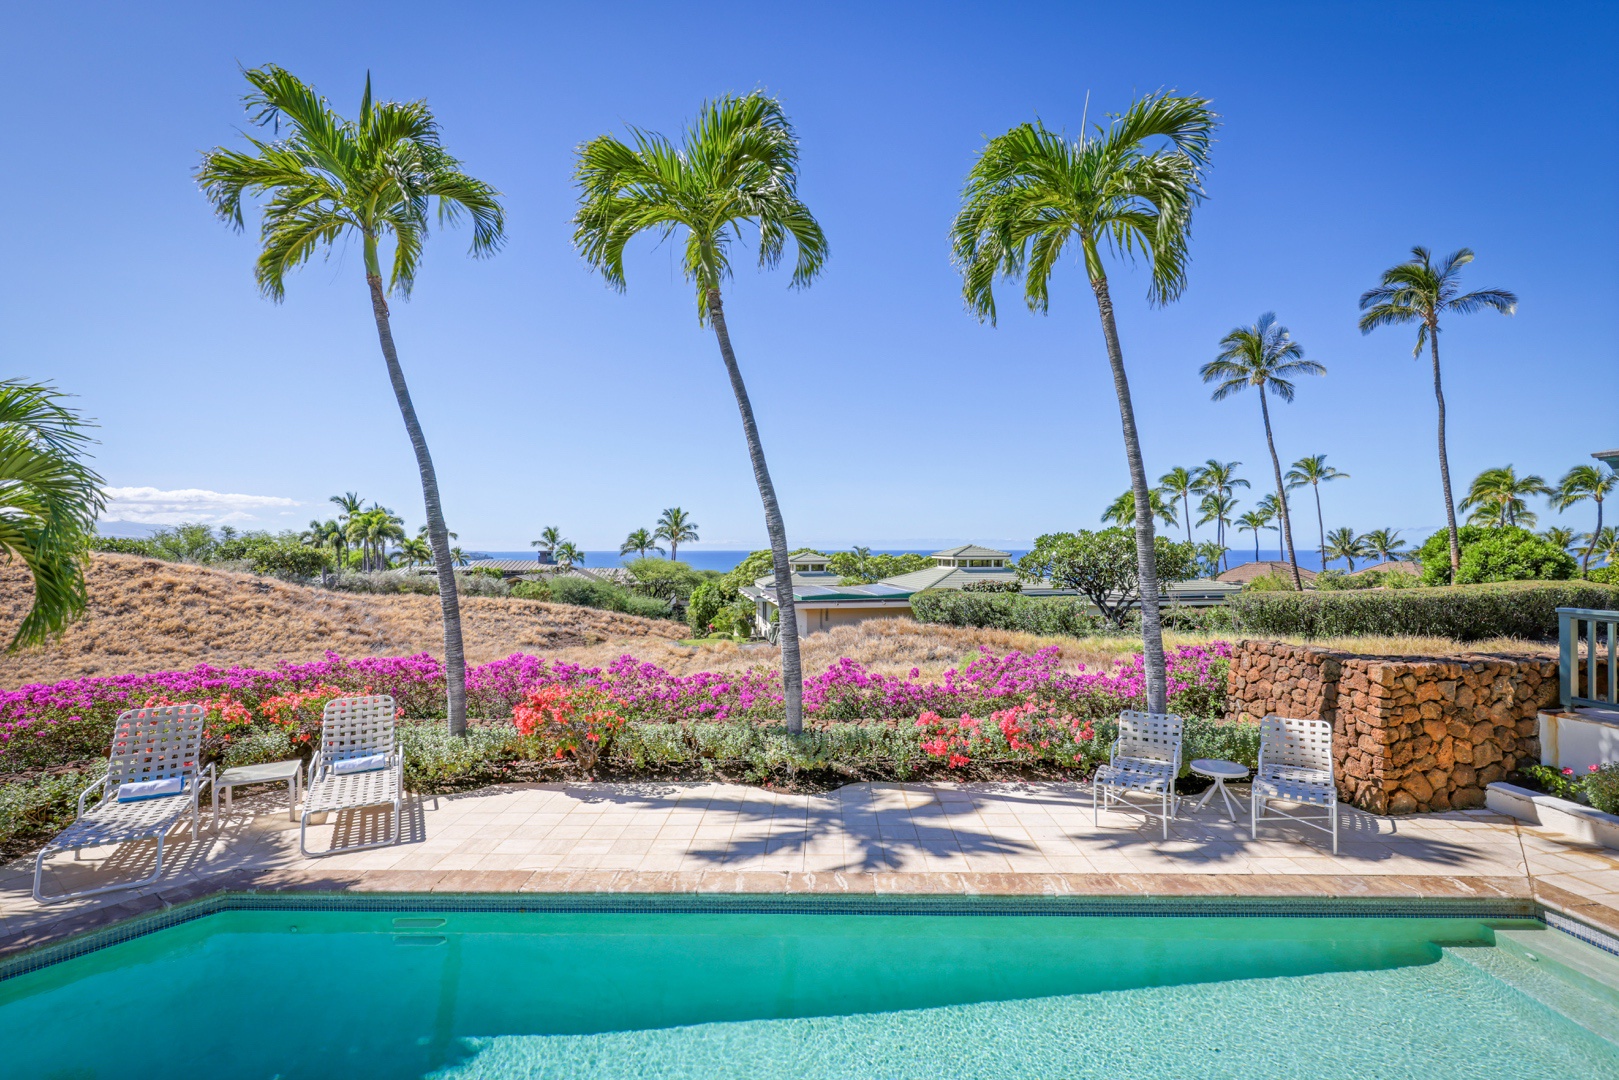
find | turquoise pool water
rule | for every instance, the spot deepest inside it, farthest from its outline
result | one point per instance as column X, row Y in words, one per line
column 295, row 995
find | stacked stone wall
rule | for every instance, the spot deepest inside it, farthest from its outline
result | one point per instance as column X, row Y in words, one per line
column 1409, row 733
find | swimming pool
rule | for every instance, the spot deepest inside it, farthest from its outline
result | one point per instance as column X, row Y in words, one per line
column 594, row 994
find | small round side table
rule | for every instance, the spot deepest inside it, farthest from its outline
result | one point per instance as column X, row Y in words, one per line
column 1219, row 771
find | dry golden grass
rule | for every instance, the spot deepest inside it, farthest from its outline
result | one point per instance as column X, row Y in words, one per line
column 1428, row 646
column 146, row 615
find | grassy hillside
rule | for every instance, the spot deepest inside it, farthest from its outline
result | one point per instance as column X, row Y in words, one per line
column 146, row 615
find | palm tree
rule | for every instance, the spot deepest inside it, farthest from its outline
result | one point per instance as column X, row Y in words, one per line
column 1384, row 544
column 568, row 554
column 458, row 557
column 1263, row 356
column 1178, row 483
column 1604, row 543
column 350, row 504
column 1255, row 521
column 1585, row 482
column 374, row 177
column 1218, row 508
column 550, row 539
column 1315, row 471
column 49, row 500
column 1498, row 497
column 639, row 542
column 1031, row 191
column 1122, row 511
column 1561, row 537
column 1217, row 481
column 1419, row 291
column 1342, row 543
column 415, row 551
column 738, row 164
column 677, row 527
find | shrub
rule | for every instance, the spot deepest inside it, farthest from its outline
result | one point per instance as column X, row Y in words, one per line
column 1602, row 788
column 1272, row 582
column 39, row 807
column 1051, row 615
column 1605, row 575
column 1506, row 553
column 583, row 592
column 288, row 560
column 664, row 579
column 993, row 586
column 1461, row 612
column 384, row 581
column 576, row 722
column 852, row 569
column 435, row 760
column 527, row 589
column 124, row 545
column 707, row 600
column 261, row 745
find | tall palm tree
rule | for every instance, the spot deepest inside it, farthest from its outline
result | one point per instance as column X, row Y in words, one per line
column 1255, row 521
column 374, row 177
column 1558, row 535
column 1420, row 291
column 1585, row 482
column 1604, row 544
column 1122, row 511
column 1218, row 508
column 49, row 500
column 1384, row 544
column 568, row 555
column 1265, row 357
column 1217, row 481
column 1315, row 471
column 415, row 551
column 639, row 543
column 737, row 164
column 677, row 527
column 1499, row 497
column 1178, row 483
column 1128, row 188
column 1342, row 543
column 550, row 539
column 349, row 503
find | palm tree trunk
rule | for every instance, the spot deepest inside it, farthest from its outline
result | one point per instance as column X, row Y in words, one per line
column 1585, row 565
column 674, row 551
column 1186, row 501
column 455, row 662
column 792, row 674
column 1320, row 522
column 1444, row 461
column 1152, row 631
column 1281, row 496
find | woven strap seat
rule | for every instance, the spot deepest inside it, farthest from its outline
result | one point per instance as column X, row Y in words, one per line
column 1302, row 786
column 1134, row 775
column 114, row 822
column 333, row 792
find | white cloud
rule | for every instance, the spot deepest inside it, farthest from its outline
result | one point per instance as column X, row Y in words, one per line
column 152, row 506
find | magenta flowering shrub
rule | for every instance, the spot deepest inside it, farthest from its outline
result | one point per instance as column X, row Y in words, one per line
column 72, row 720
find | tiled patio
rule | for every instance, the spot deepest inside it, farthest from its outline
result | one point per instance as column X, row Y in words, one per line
column 1004, row 838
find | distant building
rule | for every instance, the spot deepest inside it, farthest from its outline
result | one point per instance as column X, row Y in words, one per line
column 1248, row 571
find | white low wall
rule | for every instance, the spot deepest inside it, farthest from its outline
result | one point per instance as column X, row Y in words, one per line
column 1579, row 739
column 1583, row 823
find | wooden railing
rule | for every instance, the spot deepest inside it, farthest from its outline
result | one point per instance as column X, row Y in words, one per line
column 1587, row 674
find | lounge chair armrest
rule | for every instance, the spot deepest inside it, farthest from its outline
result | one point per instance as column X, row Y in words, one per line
column 100, row 784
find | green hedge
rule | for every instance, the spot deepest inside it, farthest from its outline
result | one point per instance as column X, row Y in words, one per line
column 1049, row 615
column 1526, row 609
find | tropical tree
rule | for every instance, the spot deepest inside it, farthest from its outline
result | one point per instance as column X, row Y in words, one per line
column 370, row 531
column 639, row 543
column 550, row 539
column 1315, row 471
column 49, row 500
column 1499, row 497
column 1179, row 483
column 458, row 557
column 328, row 536
column 1265, row 357
column 1122, row 511
column 349, row 503
column 1255, row 521
column 1603, row 544
column 1585, row 482
column 1217, row 481
column 374, row 177
column 1127, row 188
column 676, row 526
column 1420, row 291
column 1342, row 543
column 415, row 551
column 568, row 555
column 1219, row 509
column 736, row 165
column 1383, row 544
column 1561, row 537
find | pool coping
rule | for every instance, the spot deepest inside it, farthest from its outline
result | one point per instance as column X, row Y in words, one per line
column 1272, row 895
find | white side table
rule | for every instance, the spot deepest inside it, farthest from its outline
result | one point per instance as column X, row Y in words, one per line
column 1219, row 771
column 287, row 772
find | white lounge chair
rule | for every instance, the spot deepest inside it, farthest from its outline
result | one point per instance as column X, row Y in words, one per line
column 153, row 779
column 358, row 765
column 1145, row 759
column 1295, row 766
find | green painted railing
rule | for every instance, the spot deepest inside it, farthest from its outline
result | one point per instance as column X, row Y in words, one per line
column 1592, row 672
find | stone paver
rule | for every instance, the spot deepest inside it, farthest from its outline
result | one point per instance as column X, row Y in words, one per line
column 1036, row 837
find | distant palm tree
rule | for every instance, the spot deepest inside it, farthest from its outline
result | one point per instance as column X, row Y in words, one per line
column 1497, row 497
column 1604, row 544
column 1178, row 483
column 737, row 164
column 374, row 177
column 49, row 499
column 1342, row 543
column 1255, row 521
column 550, row 539
column 675, row 526
column 458, row 557
column 349, row 503
column 1217, row 508
column 326, row 536
column 1122, row 511
column 1585, row 482
column 1218, row 482
column 639, row 542
column 1420, row 291
column 1128, row 188
column 1315, row 471
column 1384, row 544
column 1561, row 537
column 568, row 555
column 1265, row 357
column 415, row 551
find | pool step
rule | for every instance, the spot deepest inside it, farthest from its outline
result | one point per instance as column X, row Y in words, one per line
column 1565, row 975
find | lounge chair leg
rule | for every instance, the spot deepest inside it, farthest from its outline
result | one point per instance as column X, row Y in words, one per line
column 1335, row 827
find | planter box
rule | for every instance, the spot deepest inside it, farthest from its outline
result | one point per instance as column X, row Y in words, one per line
column 1579, row 738
column 1583, row 823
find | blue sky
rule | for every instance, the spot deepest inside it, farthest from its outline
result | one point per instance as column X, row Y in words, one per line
column 890, row 416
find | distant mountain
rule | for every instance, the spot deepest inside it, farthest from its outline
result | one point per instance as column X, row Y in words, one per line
column 134, row 529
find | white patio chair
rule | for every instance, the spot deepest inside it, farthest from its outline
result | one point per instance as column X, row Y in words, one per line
column 1295, row 766
column 358, row 765
column 1145, row 759
column 153, row 779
